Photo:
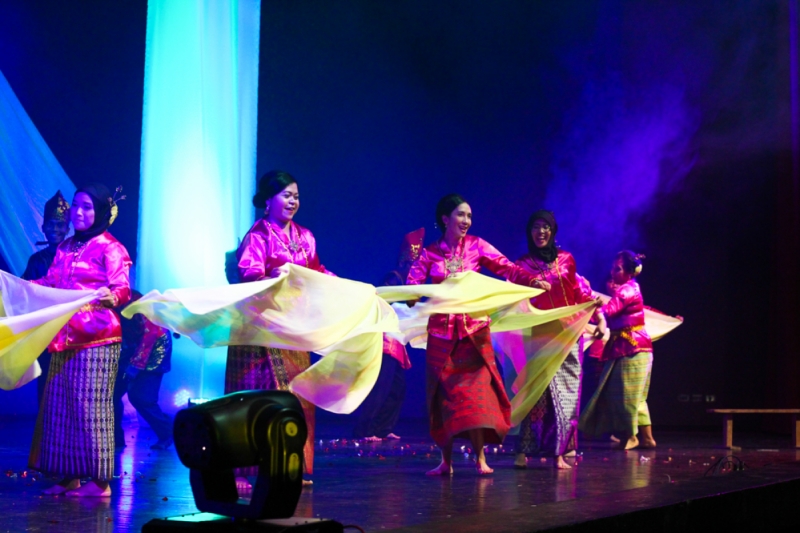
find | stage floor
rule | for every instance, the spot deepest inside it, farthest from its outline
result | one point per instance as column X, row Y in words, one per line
column 375, row 486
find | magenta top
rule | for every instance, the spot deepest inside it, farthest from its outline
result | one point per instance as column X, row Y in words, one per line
column 100, row 262
column 266, row 247
column 561, row 274
column 438, row 262
column 396, row 350
column 625, row 315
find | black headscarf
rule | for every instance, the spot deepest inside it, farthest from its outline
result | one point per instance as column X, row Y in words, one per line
column 102, row 201
column 549, row 252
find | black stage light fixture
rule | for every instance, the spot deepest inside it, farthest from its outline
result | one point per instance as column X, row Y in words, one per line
column 265, row 429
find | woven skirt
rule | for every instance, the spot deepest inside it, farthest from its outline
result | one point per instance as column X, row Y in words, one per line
column 465, row 391
column 259, row 368
column 619, row 405
column 74, row 435
column 551, row 427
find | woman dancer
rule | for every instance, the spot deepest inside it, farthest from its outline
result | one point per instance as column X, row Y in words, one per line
column 74, row 435
column 272, row 242
column 466, row 397
column 551, row 426
column 619, row 405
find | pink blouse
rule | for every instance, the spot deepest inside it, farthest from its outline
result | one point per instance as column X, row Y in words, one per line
column 565, row 288
column 438, row 262
column 266, row 247
column 100, row 262
column 625, row 315
column 396, row 350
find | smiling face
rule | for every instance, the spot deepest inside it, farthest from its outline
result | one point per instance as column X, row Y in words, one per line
column 541, row 233
column 283, row 206
column 55, row 230
column 458, row 223
column 618, row 274
column 82, row 212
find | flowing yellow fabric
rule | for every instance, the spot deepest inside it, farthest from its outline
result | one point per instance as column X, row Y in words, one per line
column 30, row 317
column 469, row 293
column 657, row 324
column 537, row 352
column 301, row 309
column 517, row 327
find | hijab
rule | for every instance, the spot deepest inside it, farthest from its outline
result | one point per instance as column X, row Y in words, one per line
column 549, row 252
column 102, row 202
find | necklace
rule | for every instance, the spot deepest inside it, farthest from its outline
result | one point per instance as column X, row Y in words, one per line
column 456, row 262
column 77, row 249
column 544, row 272
column 292, row 247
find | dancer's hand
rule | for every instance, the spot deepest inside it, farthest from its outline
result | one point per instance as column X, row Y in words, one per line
column 411, row 303
column 106, row 299
column 283, row 269
column 544, row 285
column 600, row 330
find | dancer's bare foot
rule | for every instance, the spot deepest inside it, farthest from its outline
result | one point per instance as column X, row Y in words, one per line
column 392, row 436
column 561, row 464
column 520, row 461
column 243, row 486
column 65, row 485
column 614, row 439
column 307, row 482
column 629, row 444
column 372, row 439
column 482, row 468
column 443, row 469
column 93, row 489
column 646, row 439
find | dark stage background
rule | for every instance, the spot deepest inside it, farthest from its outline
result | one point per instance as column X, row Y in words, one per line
column 659, row 126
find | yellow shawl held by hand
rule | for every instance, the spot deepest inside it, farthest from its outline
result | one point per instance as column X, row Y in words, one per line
column 340, row 319
column 30, row 317
column 301, row 309
column 538, row 341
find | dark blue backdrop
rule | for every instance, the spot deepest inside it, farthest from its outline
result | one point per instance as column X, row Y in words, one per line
column 659, row 126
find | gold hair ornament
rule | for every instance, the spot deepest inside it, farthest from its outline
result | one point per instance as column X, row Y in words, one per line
column 113, row 203
column 638, row 269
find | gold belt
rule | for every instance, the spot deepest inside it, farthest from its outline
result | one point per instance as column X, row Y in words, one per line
column 92, row 307
column 625, row 333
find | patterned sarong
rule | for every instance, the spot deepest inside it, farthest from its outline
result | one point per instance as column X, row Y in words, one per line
column 465, row 390
column 74, row 434
column 619, row 405
column 259, row 368
column 551, row 427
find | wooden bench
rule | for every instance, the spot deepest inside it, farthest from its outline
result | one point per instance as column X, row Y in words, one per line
column 727, row 423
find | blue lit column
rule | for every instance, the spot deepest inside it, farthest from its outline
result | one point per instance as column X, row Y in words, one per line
column 198, row 157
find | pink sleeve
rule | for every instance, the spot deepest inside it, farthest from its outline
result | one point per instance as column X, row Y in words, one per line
column 618, row 302
column 49, row 279
column 499, row 264
column 419, row 270
column 252, row 257
column 118, row 264
column 583, row 291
